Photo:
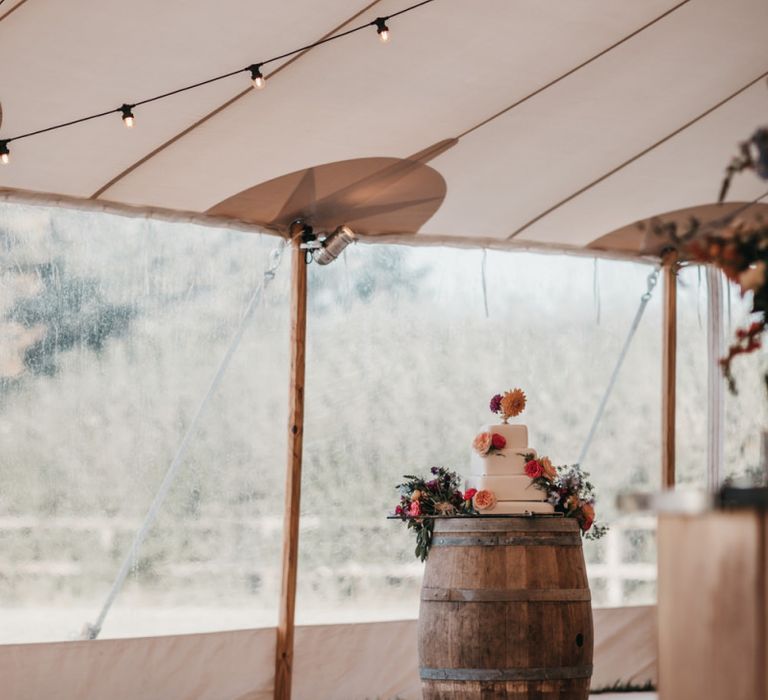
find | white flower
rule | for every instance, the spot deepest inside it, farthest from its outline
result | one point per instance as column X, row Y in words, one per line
column 753, row 277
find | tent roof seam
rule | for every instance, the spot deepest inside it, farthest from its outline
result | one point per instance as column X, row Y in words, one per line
column 636, row 157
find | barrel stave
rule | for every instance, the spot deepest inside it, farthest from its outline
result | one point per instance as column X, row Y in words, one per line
column 543, row 690
column 505, row 611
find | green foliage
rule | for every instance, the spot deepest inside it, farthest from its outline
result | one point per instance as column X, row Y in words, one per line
column 73, row 312
column 423, row 500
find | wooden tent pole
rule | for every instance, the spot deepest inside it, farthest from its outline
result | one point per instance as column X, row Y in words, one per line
column 669, row 371
column 285, row 625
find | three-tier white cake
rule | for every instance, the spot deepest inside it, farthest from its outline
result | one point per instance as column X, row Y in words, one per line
column 500, row 470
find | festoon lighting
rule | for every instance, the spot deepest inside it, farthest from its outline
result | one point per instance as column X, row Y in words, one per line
column 255, row 70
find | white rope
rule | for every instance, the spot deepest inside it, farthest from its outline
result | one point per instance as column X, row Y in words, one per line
column 92, row 631
column 484, row 281
column 653, row 278
column 596, row 291
column 715, row 397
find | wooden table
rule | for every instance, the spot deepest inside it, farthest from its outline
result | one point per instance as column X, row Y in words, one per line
column 712, row 606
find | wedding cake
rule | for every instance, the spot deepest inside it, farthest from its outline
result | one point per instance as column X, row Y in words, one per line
column 502, row 464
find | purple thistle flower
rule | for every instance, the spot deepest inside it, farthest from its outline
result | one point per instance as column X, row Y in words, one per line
column 496, row 403
column 434, row 470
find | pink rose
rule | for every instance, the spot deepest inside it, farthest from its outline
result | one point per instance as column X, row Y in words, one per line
column 399, row 510
column 533, row 469
column 484, row 500
column 499, row 442
column 482, row 443
column 414, row 509
column 469, row 494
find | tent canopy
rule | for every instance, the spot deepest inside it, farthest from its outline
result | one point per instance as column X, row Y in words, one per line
column 495, row 123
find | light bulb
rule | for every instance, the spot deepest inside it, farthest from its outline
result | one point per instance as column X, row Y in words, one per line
column 382, row 30
column 5, row 154
column 257, row 78
column 128, row 118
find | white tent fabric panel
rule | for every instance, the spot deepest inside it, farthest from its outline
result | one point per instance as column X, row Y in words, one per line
column 332, row 662
column 666, row 173
column 548, row 148
column 450, row 66
column 61, row 60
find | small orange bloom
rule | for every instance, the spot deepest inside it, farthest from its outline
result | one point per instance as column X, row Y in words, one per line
column 484, row 500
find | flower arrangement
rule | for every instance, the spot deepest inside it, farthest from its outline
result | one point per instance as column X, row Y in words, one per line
column 489, row 443
column 753, row 155
column 569, row 490
column 423, row 499
column 509, row 404
column 740, row 250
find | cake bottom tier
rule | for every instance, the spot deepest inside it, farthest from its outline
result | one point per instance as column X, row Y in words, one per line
column 517, row 507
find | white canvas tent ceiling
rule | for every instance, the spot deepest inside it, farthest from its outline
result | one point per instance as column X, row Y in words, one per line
column 645, row 127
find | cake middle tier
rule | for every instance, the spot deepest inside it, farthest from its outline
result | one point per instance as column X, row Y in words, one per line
column 508, row 488
column 506, row 462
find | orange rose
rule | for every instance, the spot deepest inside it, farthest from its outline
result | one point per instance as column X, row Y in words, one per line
column 587, row 515
column 547, row 469
column 482, row 443
column 484, row 500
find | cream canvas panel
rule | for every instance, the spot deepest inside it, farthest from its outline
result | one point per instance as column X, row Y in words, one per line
column 332, row 662
column 449, row 68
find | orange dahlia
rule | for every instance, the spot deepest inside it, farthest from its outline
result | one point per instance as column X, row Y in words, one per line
column 512, row 403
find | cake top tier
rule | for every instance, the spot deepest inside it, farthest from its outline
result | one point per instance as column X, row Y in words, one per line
column 509, row 404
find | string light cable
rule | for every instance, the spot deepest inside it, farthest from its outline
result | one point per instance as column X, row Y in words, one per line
column 254, row 70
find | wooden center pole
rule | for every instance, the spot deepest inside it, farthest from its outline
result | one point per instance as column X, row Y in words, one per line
column 669, row 371
column 285, row 625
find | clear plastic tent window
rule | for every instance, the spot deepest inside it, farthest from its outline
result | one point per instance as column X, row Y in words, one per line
column 112, row 330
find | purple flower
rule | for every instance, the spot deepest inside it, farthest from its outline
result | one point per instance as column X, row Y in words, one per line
column 434, row 470
column 432, row 485
column 496, row 403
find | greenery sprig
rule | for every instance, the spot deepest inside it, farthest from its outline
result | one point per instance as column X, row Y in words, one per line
column 421, row 500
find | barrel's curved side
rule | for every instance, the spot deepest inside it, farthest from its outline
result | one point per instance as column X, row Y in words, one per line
column 505, row 605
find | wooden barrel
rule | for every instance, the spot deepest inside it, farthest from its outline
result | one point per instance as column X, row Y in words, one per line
column 505, row 611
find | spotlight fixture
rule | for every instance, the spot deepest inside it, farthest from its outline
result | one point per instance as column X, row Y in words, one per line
column 382, row 29
column 333, row 245
column 258, row 80
column 128, row 118
column 5, row 154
